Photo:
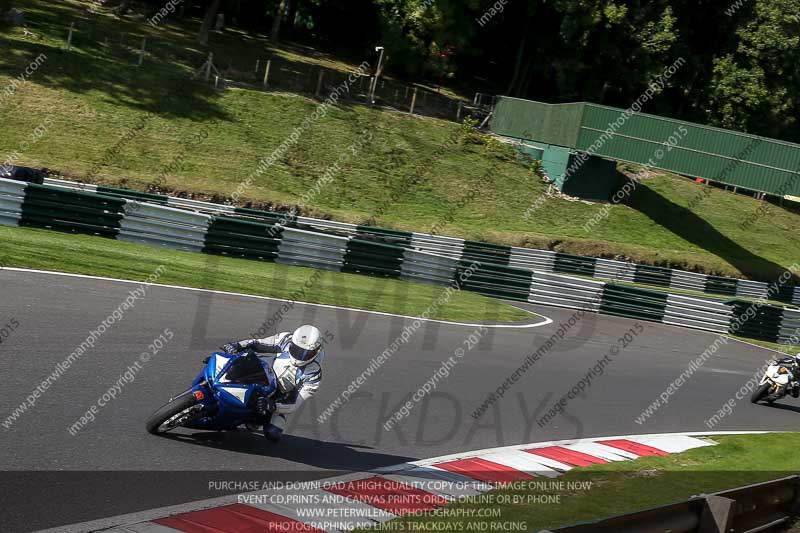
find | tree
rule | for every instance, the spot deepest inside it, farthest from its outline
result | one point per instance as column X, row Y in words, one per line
column 755, row 87
column 208, row 21
column 294, row 5
column 276, row 24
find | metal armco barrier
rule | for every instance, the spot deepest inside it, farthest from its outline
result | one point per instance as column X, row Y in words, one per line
column 309, row 249
column 767, row 507
column 162, row 226
column 699, row 313
column 12, row 195
column 526, row 258
column 563, row 291
column 493, row 270
column 766, row 323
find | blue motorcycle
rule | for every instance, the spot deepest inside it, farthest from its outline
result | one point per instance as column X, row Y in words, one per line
column 222, row 397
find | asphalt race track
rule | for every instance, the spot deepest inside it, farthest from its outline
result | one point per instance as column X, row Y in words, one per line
column 112, row 466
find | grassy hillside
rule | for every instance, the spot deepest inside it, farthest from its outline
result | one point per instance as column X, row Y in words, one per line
column 97, row 256
column 93, row 97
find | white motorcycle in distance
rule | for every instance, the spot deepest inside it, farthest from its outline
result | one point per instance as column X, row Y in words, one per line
column 781, row 378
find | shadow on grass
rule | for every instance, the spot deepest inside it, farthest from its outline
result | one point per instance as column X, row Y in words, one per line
column 165, row 91
column 105, row 52
column 689, row 226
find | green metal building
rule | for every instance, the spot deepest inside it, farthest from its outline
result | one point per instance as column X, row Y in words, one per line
column 589, row 132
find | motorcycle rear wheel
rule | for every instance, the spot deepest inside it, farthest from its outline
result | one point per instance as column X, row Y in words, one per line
column 759, row 393
column 156, row 424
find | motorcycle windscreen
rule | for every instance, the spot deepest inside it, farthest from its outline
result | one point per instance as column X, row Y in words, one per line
column 247, row 370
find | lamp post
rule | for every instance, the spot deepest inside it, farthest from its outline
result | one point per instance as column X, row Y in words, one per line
column 377, row 73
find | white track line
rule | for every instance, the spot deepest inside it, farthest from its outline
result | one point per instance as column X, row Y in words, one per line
column 544, row 322
column 758, row 346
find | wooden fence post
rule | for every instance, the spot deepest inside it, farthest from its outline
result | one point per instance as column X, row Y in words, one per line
column 319, row 82
column 69, row 37
column 141, row 52
column 266, row 73
column 413, row 101
column 209, row 65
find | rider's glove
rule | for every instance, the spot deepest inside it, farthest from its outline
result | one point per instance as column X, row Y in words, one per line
column 265, row 405
column 231, row 347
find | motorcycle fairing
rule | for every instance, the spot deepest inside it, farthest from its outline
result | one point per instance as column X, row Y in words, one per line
column 228, row 401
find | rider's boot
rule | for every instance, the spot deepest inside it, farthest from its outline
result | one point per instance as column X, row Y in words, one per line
column 258, row 425
column 273, row 430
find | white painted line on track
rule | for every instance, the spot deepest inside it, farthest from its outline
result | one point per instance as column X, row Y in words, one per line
column 784, row 354
column 724, row 371
column 543, row 322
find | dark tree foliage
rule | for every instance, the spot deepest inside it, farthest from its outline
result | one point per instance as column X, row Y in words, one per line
column 741, row 58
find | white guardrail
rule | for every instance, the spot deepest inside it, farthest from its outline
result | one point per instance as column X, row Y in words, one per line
column 540, row 260
column 430, row 259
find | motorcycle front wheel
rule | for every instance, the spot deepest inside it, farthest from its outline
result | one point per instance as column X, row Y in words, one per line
column 759, row 393
column 163, row 419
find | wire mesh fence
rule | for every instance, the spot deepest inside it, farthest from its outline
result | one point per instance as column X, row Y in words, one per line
column 279, row 74
column 263, row 70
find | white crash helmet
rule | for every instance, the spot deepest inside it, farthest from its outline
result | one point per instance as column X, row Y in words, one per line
column 305, row 345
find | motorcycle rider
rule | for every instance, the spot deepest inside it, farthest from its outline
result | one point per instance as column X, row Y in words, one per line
column 795, row 384
column 297, row 367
